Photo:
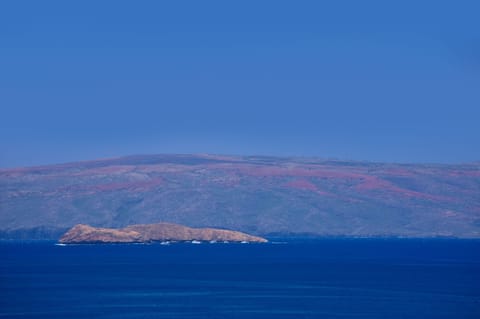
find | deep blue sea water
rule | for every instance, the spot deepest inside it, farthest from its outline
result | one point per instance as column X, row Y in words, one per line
column 358, row 278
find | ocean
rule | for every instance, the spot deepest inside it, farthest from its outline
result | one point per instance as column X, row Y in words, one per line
column 328, row 278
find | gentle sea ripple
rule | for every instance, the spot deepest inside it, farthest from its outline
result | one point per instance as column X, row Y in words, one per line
column 361, row 278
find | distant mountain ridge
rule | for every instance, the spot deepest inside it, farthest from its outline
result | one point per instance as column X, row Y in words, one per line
column 262, row 195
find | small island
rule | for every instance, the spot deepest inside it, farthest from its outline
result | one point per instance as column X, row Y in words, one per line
column 161, row 232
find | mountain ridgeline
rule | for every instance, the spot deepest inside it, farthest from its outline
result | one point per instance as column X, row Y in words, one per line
column 265, row 196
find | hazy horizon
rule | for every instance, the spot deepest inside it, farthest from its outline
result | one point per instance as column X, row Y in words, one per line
column 238, row 155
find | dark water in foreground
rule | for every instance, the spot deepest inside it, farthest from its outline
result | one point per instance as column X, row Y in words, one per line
column 322, row 279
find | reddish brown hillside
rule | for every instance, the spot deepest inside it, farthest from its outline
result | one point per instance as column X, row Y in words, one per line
column 258, row 195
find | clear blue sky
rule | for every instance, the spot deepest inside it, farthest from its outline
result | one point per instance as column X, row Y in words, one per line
column 394, row 81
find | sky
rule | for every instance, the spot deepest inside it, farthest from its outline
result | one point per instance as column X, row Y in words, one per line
column 393, row 81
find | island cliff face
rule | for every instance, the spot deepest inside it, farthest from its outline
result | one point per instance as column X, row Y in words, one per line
column 152, row 232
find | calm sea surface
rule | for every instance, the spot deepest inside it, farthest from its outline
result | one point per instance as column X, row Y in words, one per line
column 320, row 279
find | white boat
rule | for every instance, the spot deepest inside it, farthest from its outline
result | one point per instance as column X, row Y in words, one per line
column 196, row 242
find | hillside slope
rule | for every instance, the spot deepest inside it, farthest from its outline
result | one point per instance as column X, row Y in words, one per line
column 258, row 195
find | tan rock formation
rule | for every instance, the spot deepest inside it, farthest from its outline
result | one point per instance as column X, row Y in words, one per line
column 153, row 232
